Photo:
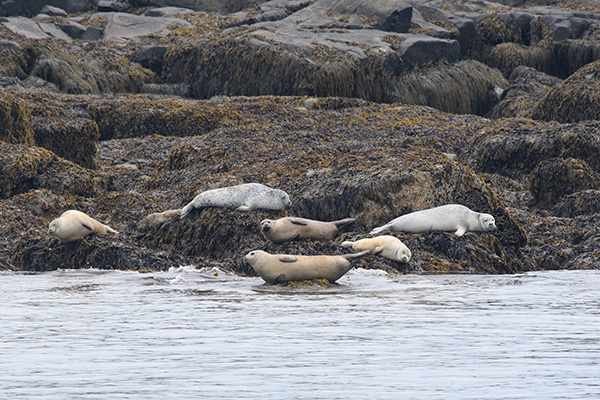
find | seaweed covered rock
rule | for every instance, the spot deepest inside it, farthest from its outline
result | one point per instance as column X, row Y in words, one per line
column 552, row 179
column 15, row 120
column 577, row 98
column 527, row 87
column 19, row 166
column 74, row 139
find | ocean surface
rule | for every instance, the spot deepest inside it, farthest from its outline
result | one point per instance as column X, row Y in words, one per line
column 206, row 334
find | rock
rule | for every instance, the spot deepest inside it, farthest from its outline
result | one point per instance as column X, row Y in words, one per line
column 15, row 120
column 19, row 166
column 28, row 8
column 121, row 26
column 527, row 87
column 517, row 146
column 163, row 11
column 112, row 6
column 74, row 139
column 26, row 27
column 53, row 11
column 92, row 33
column 73, row 29
column 577, row 98
column 585, row 202
column 555, row 178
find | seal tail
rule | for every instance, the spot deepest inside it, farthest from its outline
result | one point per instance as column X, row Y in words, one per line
column 343, row 222
column 186, row 210
column 378, row 230
column 347, row 244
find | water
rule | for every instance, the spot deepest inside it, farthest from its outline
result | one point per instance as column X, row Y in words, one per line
column 191, row 334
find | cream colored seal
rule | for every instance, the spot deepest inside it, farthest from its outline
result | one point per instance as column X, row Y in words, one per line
column 386, row 246
column 450, row 218
column 279, row 268
column 294, row 228
column 73, row 225
column 156, row 219
column 244, row 197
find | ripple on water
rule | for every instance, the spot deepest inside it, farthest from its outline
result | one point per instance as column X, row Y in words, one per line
column 191, row 334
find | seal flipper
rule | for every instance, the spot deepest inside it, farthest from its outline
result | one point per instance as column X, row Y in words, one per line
column 347, row 244
column 287, row 258
column 343, row 222
column 298, row 221
column 355, row 256
column 279, row 279
column 87, row 226
column 461, row 231
column 377, row 250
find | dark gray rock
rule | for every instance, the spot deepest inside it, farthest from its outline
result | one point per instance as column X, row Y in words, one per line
column 72, row 29
column 92, row 33
column 53, row 11
column 527, row 87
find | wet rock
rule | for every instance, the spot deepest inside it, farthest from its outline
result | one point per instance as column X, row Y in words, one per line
column 74, row 139
column 577, row 98
column 15, row 120
column 19, row 166
column 527, row 87
column 585, row 202
column 518, row 146
column 555, row 178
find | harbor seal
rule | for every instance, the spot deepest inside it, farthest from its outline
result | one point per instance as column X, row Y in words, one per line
column 386, row 246
column 244, row 197
column 294, row 228
column 73, row 225
column 279, row 268
column 156, row 219
column 450, row 217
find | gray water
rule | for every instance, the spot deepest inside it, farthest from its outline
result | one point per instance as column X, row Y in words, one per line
column 205, row 334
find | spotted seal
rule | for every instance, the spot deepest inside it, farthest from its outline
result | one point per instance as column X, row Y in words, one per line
column 295, row 228
column 244, row 197
column 73, row 225
column 279, row 268
column 450, row 218
column 386, row 246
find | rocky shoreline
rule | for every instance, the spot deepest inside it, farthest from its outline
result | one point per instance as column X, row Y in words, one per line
column 367, row 113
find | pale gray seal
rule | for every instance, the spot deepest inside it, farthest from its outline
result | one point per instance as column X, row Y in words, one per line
column 73, row 225
column 156, row 219
column 294, row 228
column 244, row 197
column 450, row 217
column 386, row 246
column 279, row 268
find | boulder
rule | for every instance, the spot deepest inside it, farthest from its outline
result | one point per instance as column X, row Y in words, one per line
column 15, row 120
column 19, row 166
column 584, row 202
column 53, row 11
column 72, row 139
column 73, row 29
column 121, row 26
column 555, row 178
column 577, row 98
column 527, row 87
